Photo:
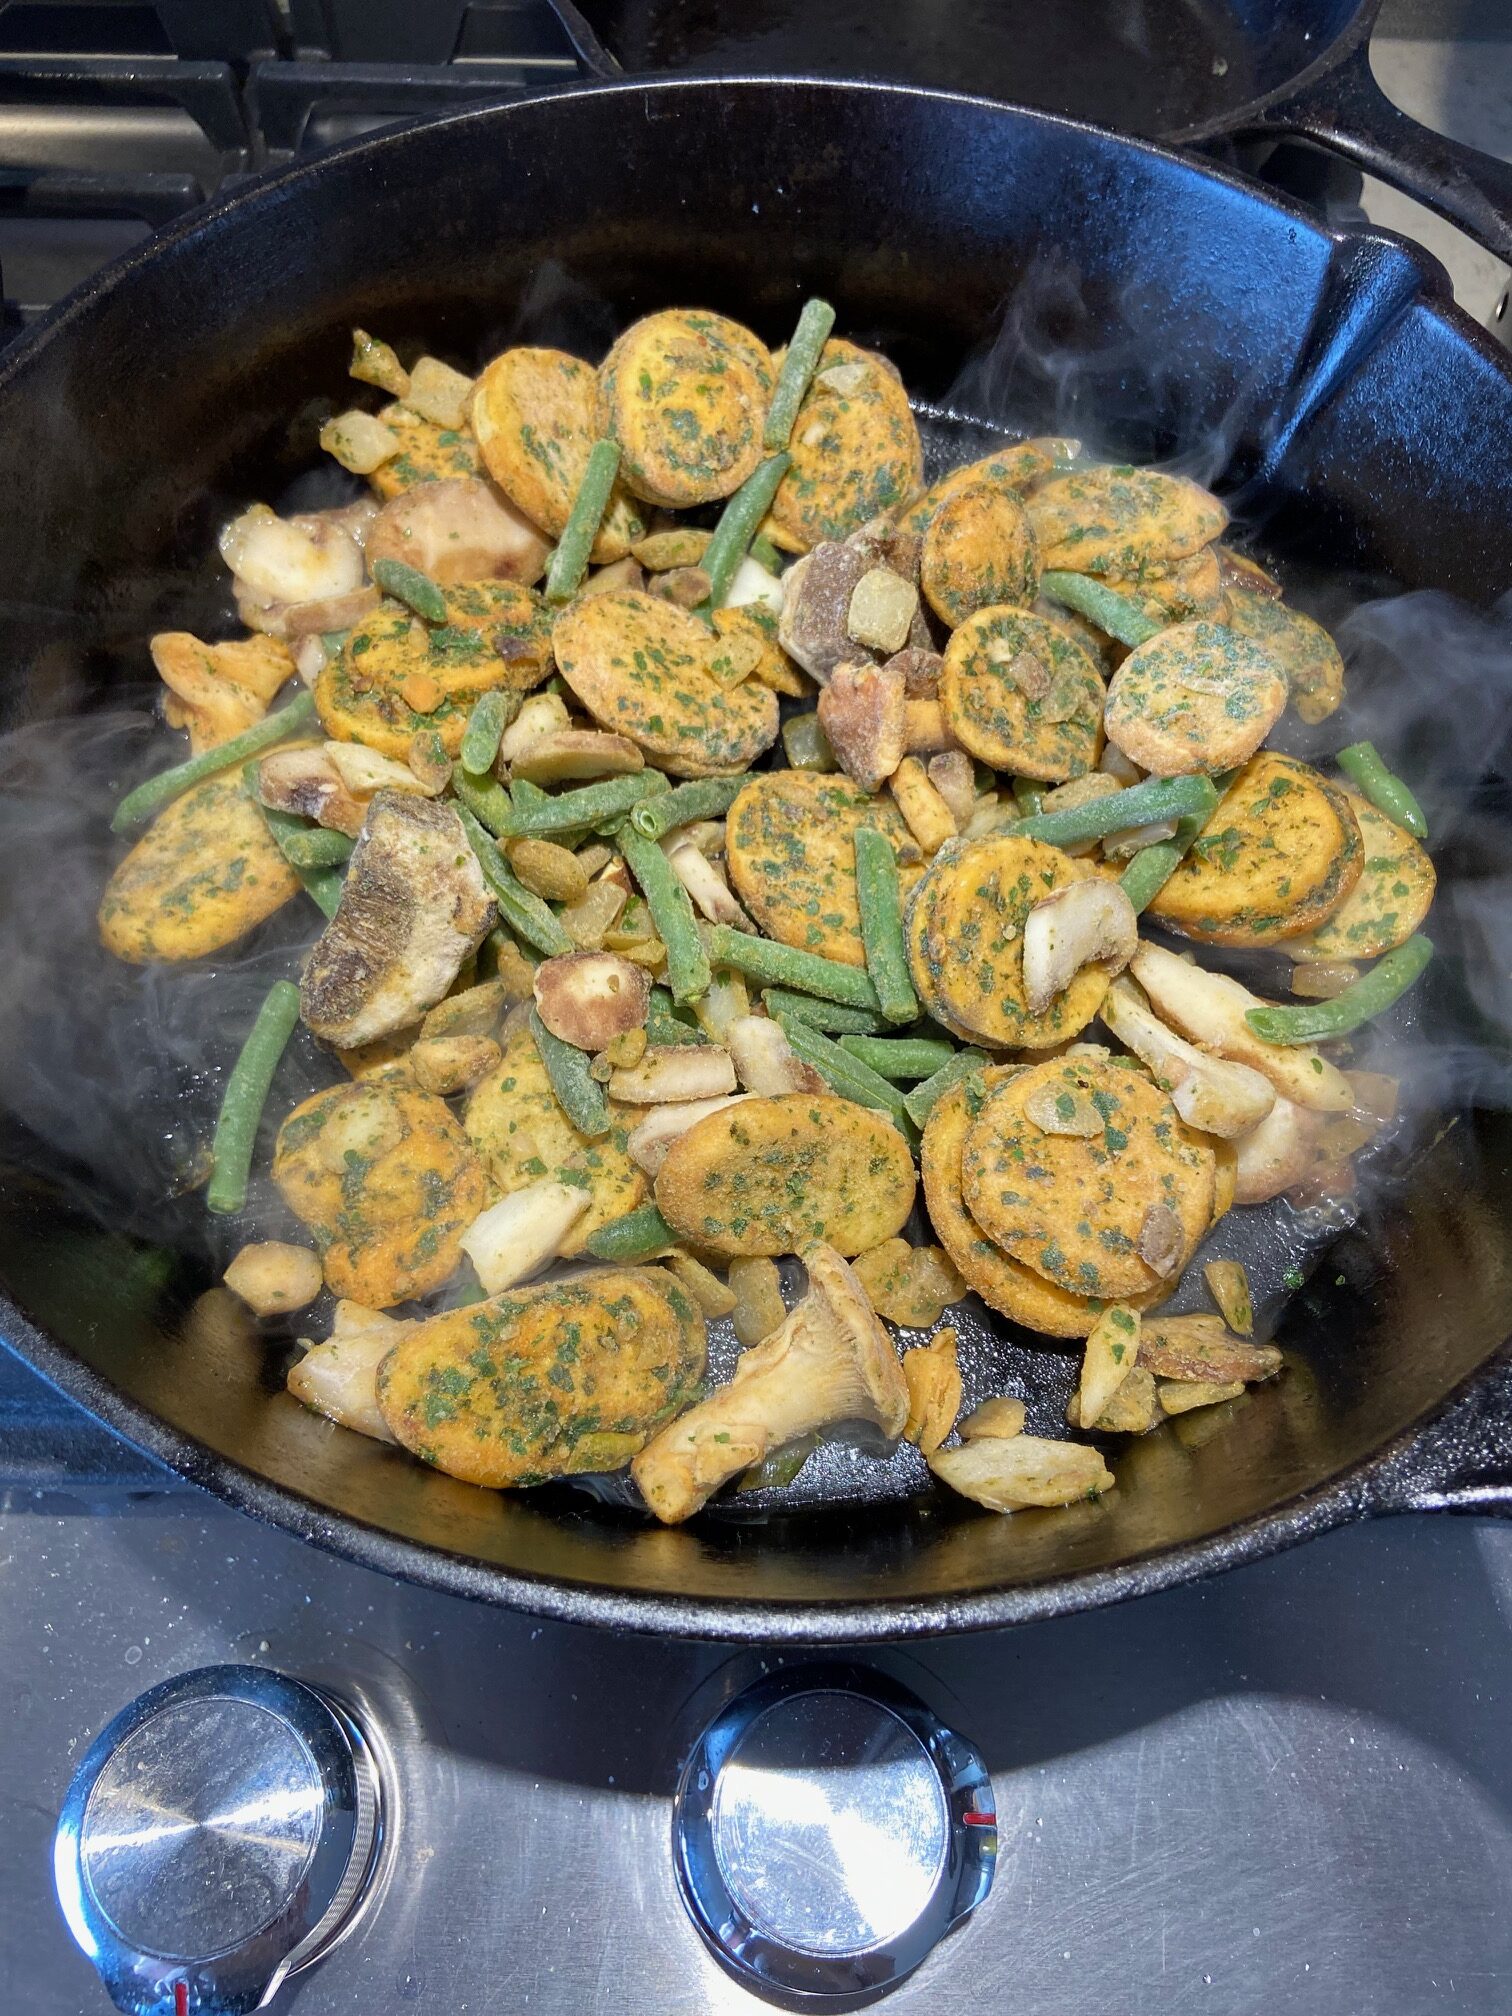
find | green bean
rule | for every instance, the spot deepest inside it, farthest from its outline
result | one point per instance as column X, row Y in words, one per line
column 900, row 1056
column 707, row 798
column 525, row 914
column 1028, row 796
column 1136, row 805
column 561, row 811
column 671, row 908
column 314, row 847
column 664, row 1024
column 765, row 554
column 830, row 1016
column 323, row 885
column 806, row 745
column 408, row 585
column 639, row 1235
column 881, row 903
column 786, row 966
column 487, row 800
column 569, row 562
column 1370, row 995
column 737, row 527
column 798, row 367
column 1362, row 762
column 779, row 1469
column 245, row 1096
column 1116, row 613
column 844, row 1074
column 168, row 784
column 922, row 1100
column 485, row 725
column 1153, row 866
column 579, row 1097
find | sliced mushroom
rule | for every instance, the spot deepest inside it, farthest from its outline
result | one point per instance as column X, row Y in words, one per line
column 864, row 712
column 1201, row 1347
column 339, row 1378
column 670, row 1073
column 459, row 529
column 522, row 1233
column 649, row 1142
column 589, row 998
column 1183, row 1398
column 764, row 1059
column 272, row 1277
column 302, row 559
column 921, row 669
column 217, row 690
column 952, row 776
column 1162, row 1243
column 359, row 441
column 705, row 884
column 449, row 1064
column 328, row 613
column 1276, row 1154
column 933, row 1378
column 829, row 1361
column 364, row 771
column 1210, row 1093
column 541, row 714
column 1133, row 1409
column 567, row 754
column 1008, row 1473
column 1082, row 924
column 307, row 782
column 438, row 393
column 1002, row 1416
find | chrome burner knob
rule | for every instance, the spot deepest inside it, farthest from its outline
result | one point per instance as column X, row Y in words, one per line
column 220, row 1834
column 828, row 1831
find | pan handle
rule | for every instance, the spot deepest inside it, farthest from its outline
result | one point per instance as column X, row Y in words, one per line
column 595, row 58
column 1346, row 111
column 1460, row 1461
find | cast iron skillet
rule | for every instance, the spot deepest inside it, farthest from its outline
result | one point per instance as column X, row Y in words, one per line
column 1020, row 269
column 1189, row 71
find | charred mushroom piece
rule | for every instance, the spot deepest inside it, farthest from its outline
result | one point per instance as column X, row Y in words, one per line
column 1209, row 1093
column 307, row 782
column 1008, row 1473
column 1083, row 924
column 829, row 1361
column 921, row 669
column 459, row 529
column 413, row 907
column 814, row 627
column 863, row 711
column 589, row 998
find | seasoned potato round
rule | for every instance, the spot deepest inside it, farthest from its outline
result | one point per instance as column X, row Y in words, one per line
column 685, row 395
column 1120, row 521
column 535, row 414
column 769, row 1175
column 1278, row 857
column 387, row 1183
column 640, row 667
column 855, row 451
column 1187, row 588
column 790, row 850
column 552, row 1381
column 966, row 943
column 1302, row 649
column 523, row 1136
column 1012, row 468
column 1387, row 904
column 1078, row 1207
column 1197, row 697
column 427, row 452
column 203, row 874
column 1021, row 693
column 395, row 675
column 979, row 553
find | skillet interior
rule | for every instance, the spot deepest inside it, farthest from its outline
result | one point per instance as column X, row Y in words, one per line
column 1160, row 311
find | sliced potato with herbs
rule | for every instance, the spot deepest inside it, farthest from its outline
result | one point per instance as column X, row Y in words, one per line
column 1279, row 856
column 386, row 1181
column 1121, row 522
column 535, row 415
column 1306, row 654
column 767, row 1176
column 204, row 874
column 1085, row 1208
column 790, row 850
column 685, row 394
column 1199, row 696
column 1015, row 468
column 554, row 1381
column 1021, row 693
column 979, row 553
column 514, row 1122
column 1386, row 905
column 427, row 453
column 395, row 675
column 639, row 665
column 855, row 450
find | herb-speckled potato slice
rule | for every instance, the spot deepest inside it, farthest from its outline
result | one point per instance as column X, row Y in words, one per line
column 1387, row 904
column 1278, row 857
column 427, row 453
column 640, row 666
column 1302, row 649
column 685, row 395
column 1003, row 1284
column 1014, row 467
column 395, row 675
column 386, row 1181
column 855, row 451
column 535, row 413
column 552, row 1381
column 966, row 943
column 1007, row 673
column 769, row 1175
column 1121, row 521
column 203, row 874
column 514, row 1122
column 979, row 553
column 1197, row 697
column 1074, row 1206
column 790, row 849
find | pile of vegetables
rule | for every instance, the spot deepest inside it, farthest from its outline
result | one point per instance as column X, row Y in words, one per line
column 718, row 836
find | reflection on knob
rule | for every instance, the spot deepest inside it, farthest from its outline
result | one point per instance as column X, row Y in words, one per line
column 828, row 1832
column 220, row 1834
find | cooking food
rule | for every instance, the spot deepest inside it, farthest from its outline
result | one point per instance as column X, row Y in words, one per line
column 727, row 851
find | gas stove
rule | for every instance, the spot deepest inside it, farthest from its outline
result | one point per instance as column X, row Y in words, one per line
column 241, row 1763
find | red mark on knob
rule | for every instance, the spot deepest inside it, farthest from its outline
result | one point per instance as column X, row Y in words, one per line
column 979, row 1819
column 181, row 1998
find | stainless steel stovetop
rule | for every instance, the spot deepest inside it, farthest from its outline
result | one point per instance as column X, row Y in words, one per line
column 1289, row 1789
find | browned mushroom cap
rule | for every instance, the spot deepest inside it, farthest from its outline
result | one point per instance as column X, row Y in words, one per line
column 307, row 782
column 589, row 998
column 829, row 1361
column 460, row 529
